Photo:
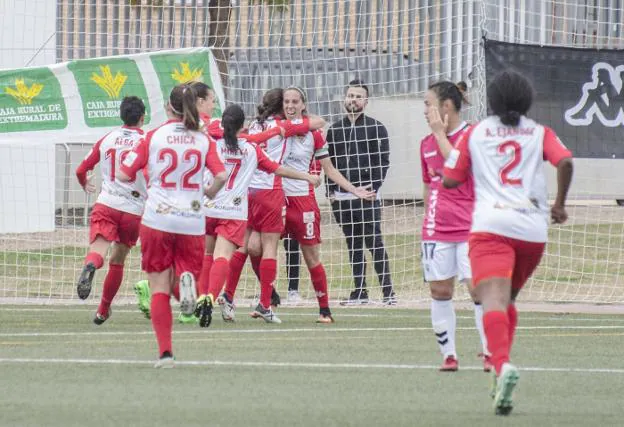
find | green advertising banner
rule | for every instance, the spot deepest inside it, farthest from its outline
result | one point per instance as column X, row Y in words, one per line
column 31, row 100
column 177, row 68
column 103, row 83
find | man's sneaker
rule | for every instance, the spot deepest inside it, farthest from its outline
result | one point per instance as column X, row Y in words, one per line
column 390, row 299
column 83, row 286
column 357, row 297
column 101, row 317
column 165, row 361
column 293, row 297
column 276, row 301
column 188, row 293
column 450, row 364
column 325, row 318
column 144, row 297
column 487, row 362
column 228, row 313
column 187, row 319
column 505, row 384
column 265, row 313
column 203, row 310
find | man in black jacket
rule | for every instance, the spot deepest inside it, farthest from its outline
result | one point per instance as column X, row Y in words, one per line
column 359, row 149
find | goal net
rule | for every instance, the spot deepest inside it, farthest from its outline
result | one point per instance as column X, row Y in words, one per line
column 396, row 47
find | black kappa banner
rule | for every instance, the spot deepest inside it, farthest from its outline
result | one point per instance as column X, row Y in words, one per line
column 579, row 92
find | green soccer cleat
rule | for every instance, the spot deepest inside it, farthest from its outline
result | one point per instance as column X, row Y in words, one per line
column 144, row 297
column 187, row 319
column 505, row 384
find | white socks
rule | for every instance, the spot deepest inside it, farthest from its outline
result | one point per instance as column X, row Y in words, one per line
column 478, row 312
column 444, row 323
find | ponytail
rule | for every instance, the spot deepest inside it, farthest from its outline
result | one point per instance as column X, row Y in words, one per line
column 232, row 121
column 272, row 104
column 183, row 103
column 510, row 96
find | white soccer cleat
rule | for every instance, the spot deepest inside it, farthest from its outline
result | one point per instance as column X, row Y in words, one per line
column 166, row 361
column 188, row 293
column 505, row 384
column 266, row 314
column 293, row 297
column 228, row 311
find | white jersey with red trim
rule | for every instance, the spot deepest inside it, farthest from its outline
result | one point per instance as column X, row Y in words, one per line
column 275, row 148
column 301, row 151
column 510, row 185
column 231, row 202
column 109, row 152
column 175, row 158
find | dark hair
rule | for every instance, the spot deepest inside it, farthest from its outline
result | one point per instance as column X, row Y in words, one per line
column 201, row 89
column 462, row 86
column 358, row 83
column 183, row 103
column 510, row 96
column 304, row 97
column 232, row 121
column 131, row 110
column 448, row 90
column 272, row 104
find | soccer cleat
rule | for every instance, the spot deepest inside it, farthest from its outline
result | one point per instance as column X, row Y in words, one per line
column 228, row 313
column 390, row 299
column 166, row 361
column 203, row 310
column 187, row 319
column 188, row 293
column 83, row 286
column 505, row 384
column 265, row 313
column 144, row 297
column 276, row 301
column 450, row 364
column 293, row 297
column 487, row 363
column 325, row 319
column 357, row 297
column 101, row 318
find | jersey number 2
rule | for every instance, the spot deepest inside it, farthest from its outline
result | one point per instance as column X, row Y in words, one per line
column 513, row 148
column 171, row 157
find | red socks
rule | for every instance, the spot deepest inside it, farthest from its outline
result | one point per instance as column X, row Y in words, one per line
column 237, row 262
column 268, row 273
column 203, row 281
column 255, row 264
column 94, row 258
column 496, row 325
column 512, row 315
column 218, row 276
column 162, row 321
column 319, row 282
column 112, row 282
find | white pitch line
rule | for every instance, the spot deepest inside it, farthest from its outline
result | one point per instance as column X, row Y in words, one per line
column 320, row 329
column 291, row 365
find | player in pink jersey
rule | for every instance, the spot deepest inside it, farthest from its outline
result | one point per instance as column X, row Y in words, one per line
column 226, row 216
column 173, row 225
column 504, row 154
column 303, row 219
column 116, row 216
column 446, row 222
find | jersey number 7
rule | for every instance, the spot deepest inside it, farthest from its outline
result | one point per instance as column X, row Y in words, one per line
column 236, row 165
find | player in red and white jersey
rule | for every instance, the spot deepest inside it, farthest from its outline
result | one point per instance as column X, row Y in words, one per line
column 504, row 154
column 116, row 215
column 303, row 218
column 446, row 222
column 172, row 228
column 226, row 214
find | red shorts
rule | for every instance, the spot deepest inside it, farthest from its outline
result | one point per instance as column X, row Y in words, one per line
column 303, row 220
column 231, row 229
column 266, row 210
column 492, row 255
column 114, row 225
column 161, row 250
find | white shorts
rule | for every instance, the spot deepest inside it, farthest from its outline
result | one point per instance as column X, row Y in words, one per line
column 444, row 260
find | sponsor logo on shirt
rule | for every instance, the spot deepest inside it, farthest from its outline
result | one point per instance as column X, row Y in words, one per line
column 430, row 217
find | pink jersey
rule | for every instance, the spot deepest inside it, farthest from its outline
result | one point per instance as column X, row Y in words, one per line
column 175, row 158
column 449, row 211
column 109, row 152
column 301, row 152
column 510, row 185
column 231, row 202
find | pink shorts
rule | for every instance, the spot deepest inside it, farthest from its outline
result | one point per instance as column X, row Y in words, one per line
column 114, row 225
column 492, row 255
column 231, row 229
column 161, row 250
column 303, row 220
column 266, row 210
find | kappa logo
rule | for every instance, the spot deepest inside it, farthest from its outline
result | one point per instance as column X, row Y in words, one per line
column 109, row 84
column 602, row 98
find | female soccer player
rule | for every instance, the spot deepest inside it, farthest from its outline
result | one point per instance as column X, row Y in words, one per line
column 226, row 217
column 504, row 154
column 303, row 218
column 446, row 223
column 172, row 228
column 116, row 216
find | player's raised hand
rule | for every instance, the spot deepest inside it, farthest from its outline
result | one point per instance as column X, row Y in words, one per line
column 558, row 214
column 90, row 186
column 365, row 193
column 436, row 123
